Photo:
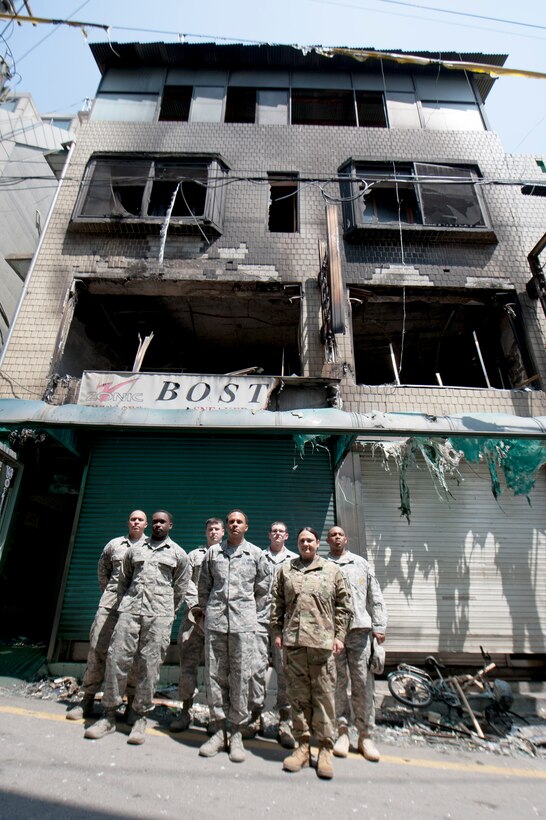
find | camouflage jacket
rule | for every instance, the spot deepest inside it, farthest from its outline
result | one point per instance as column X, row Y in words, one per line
column 275, row 561
column 233, row 587
column 369, row 610
column 154, row 578
column 311, row 604
column 109, row 568
column 196, row 558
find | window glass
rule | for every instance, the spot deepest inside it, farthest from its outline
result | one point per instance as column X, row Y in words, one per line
column 272, row 107
column 442, row 116
column 207, row 103
column 125, row 107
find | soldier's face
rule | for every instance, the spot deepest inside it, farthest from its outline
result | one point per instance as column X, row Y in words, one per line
column 161, row 524
column 214, row 533
column 137, row 524
column 307, row 545
column 277, row 537
column 237, row 526
column 337, row 541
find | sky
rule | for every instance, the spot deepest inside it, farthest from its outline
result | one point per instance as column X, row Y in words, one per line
column 54, row 63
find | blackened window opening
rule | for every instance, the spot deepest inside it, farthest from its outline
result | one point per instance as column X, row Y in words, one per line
column 240, row 105
column 283, row 204
column 433, row 337
column 318, row 107
column 371, row 109
column 197, row 329
column 175, row 103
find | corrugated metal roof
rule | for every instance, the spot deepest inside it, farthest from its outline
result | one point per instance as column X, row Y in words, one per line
column 238, row 56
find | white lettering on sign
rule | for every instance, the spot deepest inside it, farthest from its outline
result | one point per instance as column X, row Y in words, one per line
column 175, row 391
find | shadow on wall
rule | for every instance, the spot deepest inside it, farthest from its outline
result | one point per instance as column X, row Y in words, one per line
column 470, row 573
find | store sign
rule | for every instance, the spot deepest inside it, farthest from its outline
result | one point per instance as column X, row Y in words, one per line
column 176, row 391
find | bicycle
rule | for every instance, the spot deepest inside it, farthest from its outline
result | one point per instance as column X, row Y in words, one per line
column 414, row 687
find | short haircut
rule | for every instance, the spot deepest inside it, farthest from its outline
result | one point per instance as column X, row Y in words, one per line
column 278, row 524
column 245, row 516
column 214, row 521
column 309, row 529
column 165, row 512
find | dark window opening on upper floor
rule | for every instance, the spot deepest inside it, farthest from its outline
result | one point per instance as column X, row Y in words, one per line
column 211, row 328
column 139, row 190
column 175, row 103
column 534, row 190
column 318, row 107
column 371, row 110
column 240, row 104
column 283, row 203
column 454, row 338
column 403, row 194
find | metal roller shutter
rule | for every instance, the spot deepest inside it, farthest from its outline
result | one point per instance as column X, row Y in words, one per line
column 194, row 477
column 463, row 573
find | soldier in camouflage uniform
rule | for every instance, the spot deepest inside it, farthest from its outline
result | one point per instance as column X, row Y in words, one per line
column 265, row 649
column 233, row 588
column 106, row 616
column 153, row 582
column 191, row 637
column 309, row 617
column 369, row 621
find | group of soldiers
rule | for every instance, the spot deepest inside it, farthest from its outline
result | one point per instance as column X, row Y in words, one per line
column 227, row 586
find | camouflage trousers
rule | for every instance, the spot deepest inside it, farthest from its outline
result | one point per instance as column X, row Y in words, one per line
column 352, row 664
column 99, row 640
column 228, row 667
column 311, row 684
column 266, row 654
column 145, row 641
column 191, row 649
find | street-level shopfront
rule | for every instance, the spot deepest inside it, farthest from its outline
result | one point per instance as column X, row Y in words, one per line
column 469, row 569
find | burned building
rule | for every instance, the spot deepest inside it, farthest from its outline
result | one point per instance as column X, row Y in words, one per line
column 270, row 274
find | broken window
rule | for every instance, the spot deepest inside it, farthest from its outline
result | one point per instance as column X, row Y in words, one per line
column 371, row 111
column 198, row 328
column 140, row 190
column 240, row 104
column 441, row 196
column 283, row 203
column 318, row 107
column 175, row 103
column 454, row 338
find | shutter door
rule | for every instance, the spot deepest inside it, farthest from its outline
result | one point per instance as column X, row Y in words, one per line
column 194, row 477
column 466, row 573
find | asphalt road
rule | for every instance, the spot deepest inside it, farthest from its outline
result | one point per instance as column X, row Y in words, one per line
column 48, row 770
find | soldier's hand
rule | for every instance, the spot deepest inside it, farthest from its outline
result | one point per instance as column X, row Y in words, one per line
column 379, row 637
column 278, row 642
column 338, row 646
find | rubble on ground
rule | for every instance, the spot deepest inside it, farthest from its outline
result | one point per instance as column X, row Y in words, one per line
column 397, row 727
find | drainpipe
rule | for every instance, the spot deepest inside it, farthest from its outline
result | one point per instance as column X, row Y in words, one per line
column 34, row 258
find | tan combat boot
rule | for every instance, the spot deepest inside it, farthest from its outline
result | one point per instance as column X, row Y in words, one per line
column 102, row 727
column 341, row 746
column 216, row 743
column 368, row 749
column 138, row 732
column 300, row 757
column 81, row 710
column 325, row 768
column 182, row 722
column 236, row 748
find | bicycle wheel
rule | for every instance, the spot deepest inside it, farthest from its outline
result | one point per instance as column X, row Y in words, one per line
column 409, row 689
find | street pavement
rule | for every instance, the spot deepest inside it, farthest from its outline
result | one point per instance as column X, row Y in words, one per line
column 48, row 770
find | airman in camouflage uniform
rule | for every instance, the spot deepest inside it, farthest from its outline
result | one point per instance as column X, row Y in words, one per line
column 265, row 649
column 191, row 636
column 233, row 588
column 309, row 617
column 153, row 582
column 369, row 621
column 106, row 617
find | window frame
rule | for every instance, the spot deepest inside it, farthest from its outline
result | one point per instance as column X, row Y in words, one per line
column 354, row 170
column 210, row 219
